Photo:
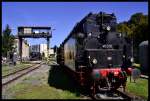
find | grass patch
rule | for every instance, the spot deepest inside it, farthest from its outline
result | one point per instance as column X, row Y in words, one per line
column 27, row 91
column 6, row 69
column 44, row 92
column 140, row 88
column 54, row 85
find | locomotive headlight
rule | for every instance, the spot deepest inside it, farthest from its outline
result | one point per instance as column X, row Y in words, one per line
column 123, row 56
column 94, row 61
column 109, row 58
column 132, row 59
column 90, row 34
column 108, row 28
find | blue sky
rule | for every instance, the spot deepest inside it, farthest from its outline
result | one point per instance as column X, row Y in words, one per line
column 62, row 16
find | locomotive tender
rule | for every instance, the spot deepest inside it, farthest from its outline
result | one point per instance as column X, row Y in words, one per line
column 96, row 53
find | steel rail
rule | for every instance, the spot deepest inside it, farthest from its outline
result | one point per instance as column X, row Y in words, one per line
column 12, row 73
column 120, row 96
column 17, row 77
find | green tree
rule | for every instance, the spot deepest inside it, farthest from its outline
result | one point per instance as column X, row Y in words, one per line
column 124, row 29
column 7, row 41
column 138, row 18
column 140, row 32
column 136, row 28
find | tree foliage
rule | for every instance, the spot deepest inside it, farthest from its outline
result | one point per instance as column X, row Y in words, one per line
column 136, row 28
column 7, row 41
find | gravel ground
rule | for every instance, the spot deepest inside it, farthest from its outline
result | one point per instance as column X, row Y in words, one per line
column 7, row 69
column 35, row 84
column 37, row 77
column 11, row 77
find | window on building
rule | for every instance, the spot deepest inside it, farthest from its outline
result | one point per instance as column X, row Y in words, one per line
column 27, row 30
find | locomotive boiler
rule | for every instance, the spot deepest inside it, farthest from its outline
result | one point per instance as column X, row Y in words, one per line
column 95, row 53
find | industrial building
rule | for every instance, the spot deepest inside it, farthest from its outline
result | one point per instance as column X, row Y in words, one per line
column 25, row 48
column 41, row 48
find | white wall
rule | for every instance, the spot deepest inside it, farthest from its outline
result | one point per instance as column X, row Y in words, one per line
column 51, row 51
column 43, row 48
column 25, row 48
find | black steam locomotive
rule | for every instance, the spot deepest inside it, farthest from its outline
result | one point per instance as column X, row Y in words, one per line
column 95, row 53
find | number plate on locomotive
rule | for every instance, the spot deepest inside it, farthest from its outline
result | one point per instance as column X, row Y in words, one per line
column 107, row 46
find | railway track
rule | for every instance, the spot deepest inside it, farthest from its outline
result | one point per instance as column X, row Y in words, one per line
column 106, row 95
column 32, row 62
column 18, row 74
column 116, row 95
column 16, row 71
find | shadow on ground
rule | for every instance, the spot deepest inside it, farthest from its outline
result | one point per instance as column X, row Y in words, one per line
column 60, row 79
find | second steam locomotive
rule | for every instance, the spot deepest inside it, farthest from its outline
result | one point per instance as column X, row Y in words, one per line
column 95, row 53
